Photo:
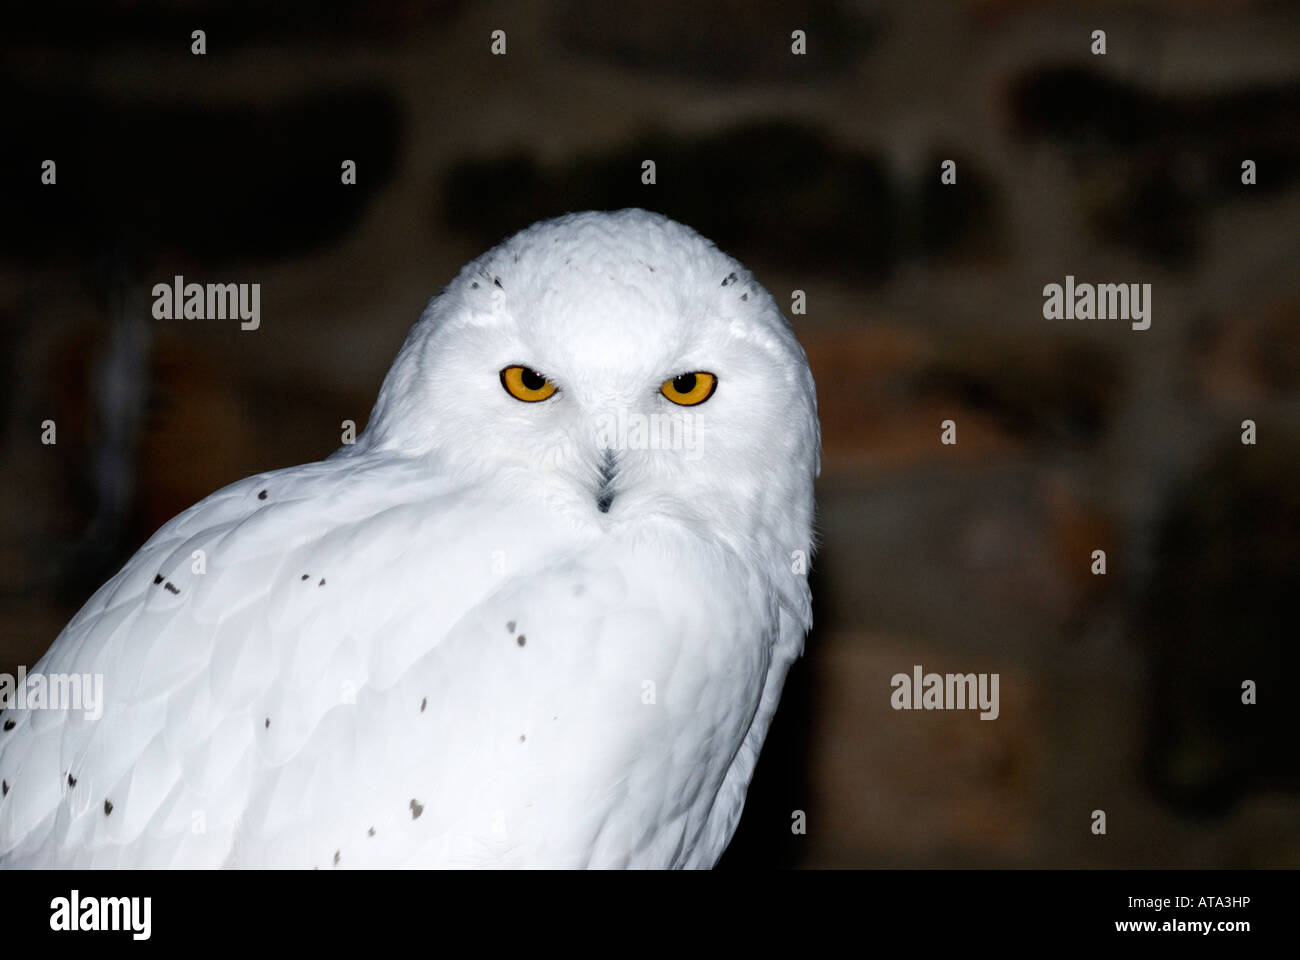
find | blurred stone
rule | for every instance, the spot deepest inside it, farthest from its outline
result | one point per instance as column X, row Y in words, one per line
column 1250, row 359
column 726, row 41
column 887, row 779
column 870, row 416
column 1155, row 163
column 233, row 182
column 1059, row 390
column 795, row 195
column 1218, row 612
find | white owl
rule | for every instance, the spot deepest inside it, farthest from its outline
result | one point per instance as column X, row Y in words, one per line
column 539, row 614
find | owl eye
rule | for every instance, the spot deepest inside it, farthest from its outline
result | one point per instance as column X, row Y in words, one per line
column 526, row 384
column 689, row 389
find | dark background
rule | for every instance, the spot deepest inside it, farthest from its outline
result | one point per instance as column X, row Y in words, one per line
column 821, row 173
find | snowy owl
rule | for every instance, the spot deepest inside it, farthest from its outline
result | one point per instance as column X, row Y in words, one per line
column 539, row 614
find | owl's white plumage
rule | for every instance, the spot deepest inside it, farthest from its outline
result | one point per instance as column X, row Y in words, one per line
column 435, row 648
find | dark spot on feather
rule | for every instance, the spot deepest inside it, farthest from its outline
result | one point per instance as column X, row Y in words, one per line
column 4, row 788
column 497, row 281
column 72, row 781
column 416, row 809
column 158, row 579
column 171, row 588
column 510, row 626
column 336, row 858
column 473, row 285
column 322, row 582
column 306, row 575
column 522, row 738
column 108, row 807
column 268, row 724
column 262, row 495
column 424, row 703
column 521, row 639
column 9, row 725
column 744, row 296
column 370, row 832
column 730, row 278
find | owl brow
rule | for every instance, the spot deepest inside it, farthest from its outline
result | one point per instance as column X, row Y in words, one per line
column 764, row 338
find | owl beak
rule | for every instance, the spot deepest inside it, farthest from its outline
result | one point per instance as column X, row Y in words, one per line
column 605, row 488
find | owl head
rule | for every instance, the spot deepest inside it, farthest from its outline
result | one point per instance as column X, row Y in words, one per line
column 617, row 368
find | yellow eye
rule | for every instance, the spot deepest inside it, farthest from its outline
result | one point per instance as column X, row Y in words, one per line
column 526, row 384
column 690, row 389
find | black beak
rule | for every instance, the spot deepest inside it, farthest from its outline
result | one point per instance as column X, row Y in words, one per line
column 605, row 489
